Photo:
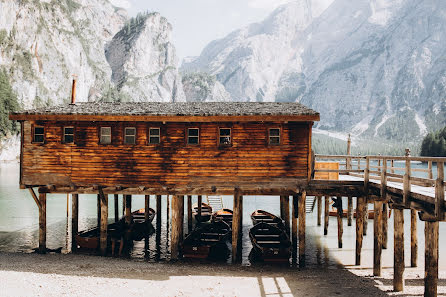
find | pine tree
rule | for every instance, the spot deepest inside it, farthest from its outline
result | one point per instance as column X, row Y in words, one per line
column 8, row 103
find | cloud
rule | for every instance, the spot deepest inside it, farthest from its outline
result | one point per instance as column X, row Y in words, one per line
column 121, row 3
column 266, row 4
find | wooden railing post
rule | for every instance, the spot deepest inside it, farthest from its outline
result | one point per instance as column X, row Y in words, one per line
column 348, row 161
column 439, row 192
column 406, row 180
column 430, row 174
column 384, row 180
column 366, row 177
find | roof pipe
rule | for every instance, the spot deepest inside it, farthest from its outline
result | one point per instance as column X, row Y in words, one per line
column 73, row 92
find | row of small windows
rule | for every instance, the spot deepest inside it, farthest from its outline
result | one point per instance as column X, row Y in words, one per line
column 193, row 135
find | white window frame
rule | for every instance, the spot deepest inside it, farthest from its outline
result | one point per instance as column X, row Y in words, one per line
column 154, row 136
column 42, row 134
column 193, row 136
column 65, row 134
column 270, row 137
column 224, row 136
column 129, row 135
column 102, row 134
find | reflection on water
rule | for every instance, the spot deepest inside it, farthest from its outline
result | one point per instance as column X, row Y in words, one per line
column 19, row 225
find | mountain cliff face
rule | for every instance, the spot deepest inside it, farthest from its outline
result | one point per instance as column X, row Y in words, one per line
column 371, row 67
column 143, row 60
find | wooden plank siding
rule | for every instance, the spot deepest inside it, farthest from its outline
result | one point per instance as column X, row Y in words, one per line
column 86, row 162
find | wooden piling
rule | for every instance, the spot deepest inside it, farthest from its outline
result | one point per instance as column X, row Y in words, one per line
column 366, row 217
column 431, row 259
column 98, row 200
column 398, row 255
column 189, row 213
column 42, row 223
column 116, row 201
column 413, row 238
column 74, row 220
column 326, row 214
column 385, row 225
column 104, row 223
column 302, row 213
column 236, row 227
column 319, row 210
column 360, row 208
column 146, row 207
column 349, row 210
column 377, row 239
column 286, row 213
column 176, row 226
column 128, row 208
column 181, row 210
column 340, row 225
column 281, row 206
column 158, row 212
column 199, row 201
column 294, row 218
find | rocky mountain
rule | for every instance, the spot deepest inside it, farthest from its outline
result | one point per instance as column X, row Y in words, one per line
column 202, row 87
column 375, row 68
column 143, row 60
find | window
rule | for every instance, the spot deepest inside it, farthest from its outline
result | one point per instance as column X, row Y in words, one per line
column 154, row 135
column 225, row 136
column 105, row 137
column 130, row 135
column 274, row 136
column 39, row 134
column 193, row 136
column 68, row 134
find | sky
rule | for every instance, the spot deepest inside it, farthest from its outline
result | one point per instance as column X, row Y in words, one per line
column 198, row 22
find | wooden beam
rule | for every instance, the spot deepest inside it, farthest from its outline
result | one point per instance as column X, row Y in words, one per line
column 42, row 223
column 398, row 256
column 176, row 227
column 319, row 210
column 340, row 225
column 360, row 209
column 431, row 259
column 439, row 192
column 33, row 194
column 302, row 213
column 104, row 223
column 74, row 220
column 326, row 214
column 413, row 238
column 377, row 239
column 236, row 226
column 128, row 209
column 294, row 217
column 349, row 210
column 189, row 213
column 116, row 208
column 385, row 224
column 146, row 207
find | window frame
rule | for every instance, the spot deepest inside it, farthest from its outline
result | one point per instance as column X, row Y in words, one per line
column 150, row 136
column 33, row 140
column 64, row 134
column 101, row 135
column 274, row 136
column 125, row 135
column 187, row 136
column 220, row 137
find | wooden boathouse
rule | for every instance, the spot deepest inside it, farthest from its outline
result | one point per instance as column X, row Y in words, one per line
column 234, row 149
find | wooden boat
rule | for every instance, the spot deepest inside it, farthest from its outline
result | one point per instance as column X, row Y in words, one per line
column 224, row 214
column 261, row 216
column 207, row 241
column 206, row 212
column 270, row 243
column 89, row 239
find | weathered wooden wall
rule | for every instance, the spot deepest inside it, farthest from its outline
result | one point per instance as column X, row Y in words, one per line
column 173, row 162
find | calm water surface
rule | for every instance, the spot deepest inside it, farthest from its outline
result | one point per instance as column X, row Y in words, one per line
column 19, row 226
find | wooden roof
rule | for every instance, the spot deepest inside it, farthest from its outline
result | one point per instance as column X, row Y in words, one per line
column 173, row 111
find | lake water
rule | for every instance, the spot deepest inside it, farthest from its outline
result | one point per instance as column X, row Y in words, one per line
column 19, row 226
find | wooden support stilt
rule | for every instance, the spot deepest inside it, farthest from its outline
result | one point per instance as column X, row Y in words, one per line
column 199, row 205
column 431, row 259
column 146, row 207
column 74, row 220
column 167, row 210
column 236, row 226
column 281, row 206
column 189, row 213
column 349, row 210
column 319, row 210
column 128, row 208
column 116, row 201
column 104, row 222
column 340, row 225
column 326, row 214
column 42, row 223
column 377, row 239
column 398, row 256
column 385, row 224
column 294, row 217
column 360, row 209
column 366, row 218
column 176, row 227
column 413, row 238
column 181, row 212
column 286, row 213
column 123, row 205
column 302, row 213
column 98, row 198
column 158, row 212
